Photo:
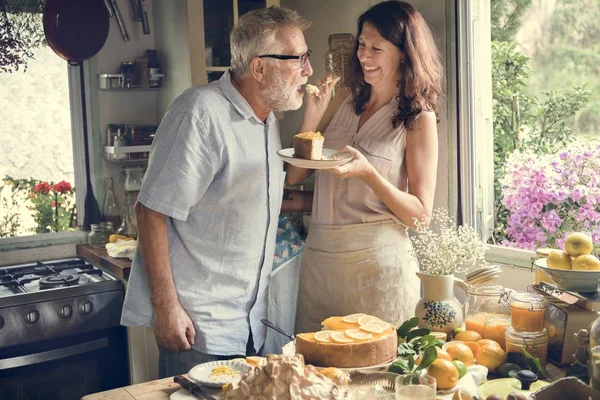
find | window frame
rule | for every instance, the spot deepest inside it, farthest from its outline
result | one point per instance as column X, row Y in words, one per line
column 76, row 80
column 474, row 135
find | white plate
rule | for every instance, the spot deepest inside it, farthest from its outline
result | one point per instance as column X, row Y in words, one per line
column 566, row 279
column 287, row 155
column 202, row 373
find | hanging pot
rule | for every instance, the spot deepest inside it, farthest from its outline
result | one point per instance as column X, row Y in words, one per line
column 76, row 29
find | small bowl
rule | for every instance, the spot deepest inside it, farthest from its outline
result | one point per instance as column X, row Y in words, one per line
column 567, row 279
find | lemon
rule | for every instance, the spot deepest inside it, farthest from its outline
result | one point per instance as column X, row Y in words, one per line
column 375, row 327
column 340, row 337
column 366, row 319
column 352, row 318
column 357, row 334
column 323, row 336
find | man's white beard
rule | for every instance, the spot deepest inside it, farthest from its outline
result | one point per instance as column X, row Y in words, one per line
column 281, row 96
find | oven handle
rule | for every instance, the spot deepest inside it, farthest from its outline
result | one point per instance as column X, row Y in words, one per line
column 57, row 354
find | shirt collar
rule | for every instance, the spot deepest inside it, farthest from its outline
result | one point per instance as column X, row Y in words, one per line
column 239, row 102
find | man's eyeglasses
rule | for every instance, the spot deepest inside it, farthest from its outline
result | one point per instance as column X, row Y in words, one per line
column 303, row 58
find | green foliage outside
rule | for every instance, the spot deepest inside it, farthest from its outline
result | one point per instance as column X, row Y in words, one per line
column 540, row 104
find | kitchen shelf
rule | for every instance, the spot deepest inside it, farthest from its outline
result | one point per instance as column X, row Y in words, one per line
column 110, row 151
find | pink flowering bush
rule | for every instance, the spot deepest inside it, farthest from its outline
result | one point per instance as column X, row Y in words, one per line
column 549, row 196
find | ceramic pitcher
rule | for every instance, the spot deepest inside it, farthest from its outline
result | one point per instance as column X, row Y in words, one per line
column 438, row 309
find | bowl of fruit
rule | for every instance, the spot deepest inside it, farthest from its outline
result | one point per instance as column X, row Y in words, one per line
column 575, row 268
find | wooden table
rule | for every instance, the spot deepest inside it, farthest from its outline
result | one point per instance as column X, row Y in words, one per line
column 154, row 390
column 119, row 267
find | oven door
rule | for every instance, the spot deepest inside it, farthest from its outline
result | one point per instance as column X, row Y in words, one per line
column 66, row 368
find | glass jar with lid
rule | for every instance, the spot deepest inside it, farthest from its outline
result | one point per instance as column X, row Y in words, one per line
column 484, row 301
column 535, row 343
column 97, row 236
column 337, row 57
column 495, row 328
column 133, row 178
column 527, row 311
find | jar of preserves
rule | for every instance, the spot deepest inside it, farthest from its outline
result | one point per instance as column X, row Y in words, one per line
column 594, row 353
column 97, row 236
column 337, row 58
column 495, row 328
column 535, row 343
column 527, row 312
column 484, row 301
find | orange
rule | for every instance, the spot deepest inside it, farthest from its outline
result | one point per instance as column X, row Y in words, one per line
column 488, row 342
column 460, row 351
column 468, row 336
column 444, row 372
column 490, row 357
column 474, row 346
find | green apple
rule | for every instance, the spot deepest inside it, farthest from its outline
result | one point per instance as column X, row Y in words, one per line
column 558, row 259
column 578, row 244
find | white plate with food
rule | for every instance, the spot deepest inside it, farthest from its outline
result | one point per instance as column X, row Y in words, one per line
column 331, row 158
column 572, row 280
column 218, row 373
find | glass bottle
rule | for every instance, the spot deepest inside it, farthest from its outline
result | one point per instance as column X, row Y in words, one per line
column 97, row 236
column 153, row 67
column 133, row 178
column 112, row 211
column 128, row 227
column 337, row 58
column 484, row 301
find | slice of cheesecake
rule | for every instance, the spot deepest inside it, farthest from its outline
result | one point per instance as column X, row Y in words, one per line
column 308, row 145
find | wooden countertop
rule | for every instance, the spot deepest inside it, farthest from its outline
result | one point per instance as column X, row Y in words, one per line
column 119, row 267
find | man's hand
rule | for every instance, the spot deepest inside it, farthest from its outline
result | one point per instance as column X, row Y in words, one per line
column 173, row 328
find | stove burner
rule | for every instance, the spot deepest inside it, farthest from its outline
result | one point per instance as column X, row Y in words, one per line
column 55, row 281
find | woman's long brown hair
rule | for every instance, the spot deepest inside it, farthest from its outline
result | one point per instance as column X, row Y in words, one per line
column 421, row 69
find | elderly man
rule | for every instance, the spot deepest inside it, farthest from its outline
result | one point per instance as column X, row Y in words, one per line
column 208, row 209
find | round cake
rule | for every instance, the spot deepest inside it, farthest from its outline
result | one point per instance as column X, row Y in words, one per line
column 353, row 341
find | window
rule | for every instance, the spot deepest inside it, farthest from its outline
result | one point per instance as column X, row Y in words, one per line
column 40, row 178
column 530, row 154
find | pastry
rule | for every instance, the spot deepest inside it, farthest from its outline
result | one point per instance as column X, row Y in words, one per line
column 308, row 145
column 353, row 341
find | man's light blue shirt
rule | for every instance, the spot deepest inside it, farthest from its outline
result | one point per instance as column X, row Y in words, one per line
column 214, row 172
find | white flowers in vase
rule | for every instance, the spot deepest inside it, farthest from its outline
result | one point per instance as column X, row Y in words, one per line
column 442, row 248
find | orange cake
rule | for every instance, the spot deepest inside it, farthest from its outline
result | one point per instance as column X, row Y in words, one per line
column 308, row 145
column 353, row 341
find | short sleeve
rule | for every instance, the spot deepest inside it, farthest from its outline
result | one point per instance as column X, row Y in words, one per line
column 182, row 165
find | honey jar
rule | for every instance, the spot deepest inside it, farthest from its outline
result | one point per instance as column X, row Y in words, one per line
column 535, row 343
column 527, row 312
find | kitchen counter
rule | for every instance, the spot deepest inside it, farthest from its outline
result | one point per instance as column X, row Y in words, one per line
column 119, row 267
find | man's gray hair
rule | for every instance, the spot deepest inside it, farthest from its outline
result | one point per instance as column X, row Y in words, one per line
column 255, row 34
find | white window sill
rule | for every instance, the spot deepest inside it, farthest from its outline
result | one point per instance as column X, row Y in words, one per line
column 42, row 240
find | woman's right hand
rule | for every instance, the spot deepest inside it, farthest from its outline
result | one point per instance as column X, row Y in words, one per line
column 316, row 104
column 173, row 328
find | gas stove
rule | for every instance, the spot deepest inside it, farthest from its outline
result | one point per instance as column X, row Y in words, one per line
column 47, row 300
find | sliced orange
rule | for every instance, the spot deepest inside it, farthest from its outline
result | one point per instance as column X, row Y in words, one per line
column 340, row 337
column 357, row 334
column 323, row 336
column 375, row 327
column 366, row 319
column 253, row 360
column 353, row 318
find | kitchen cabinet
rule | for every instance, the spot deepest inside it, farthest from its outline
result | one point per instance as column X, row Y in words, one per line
column 192, row 38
